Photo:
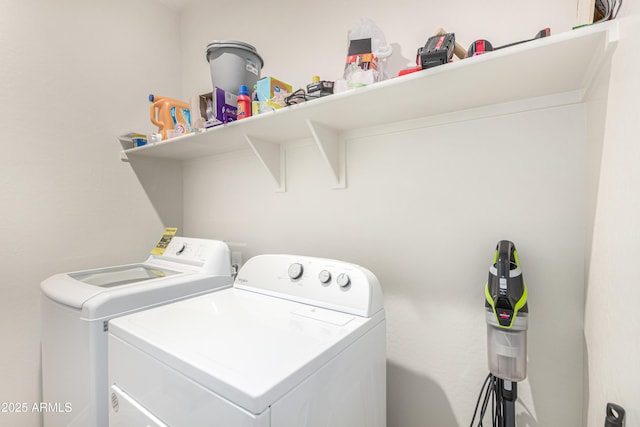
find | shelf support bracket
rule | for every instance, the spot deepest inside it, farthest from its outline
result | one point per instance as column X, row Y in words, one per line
column 272, row 157
column 332, row 147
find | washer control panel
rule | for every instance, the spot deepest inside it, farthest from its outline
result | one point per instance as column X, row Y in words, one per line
column 317, row 281
column 204, row 255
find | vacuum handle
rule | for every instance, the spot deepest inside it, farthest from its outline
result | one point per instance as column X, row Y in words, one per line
column 505, row 254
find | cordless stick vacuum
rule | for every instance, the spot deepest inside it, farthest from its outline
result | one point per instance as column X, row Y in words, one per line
column 507, row 316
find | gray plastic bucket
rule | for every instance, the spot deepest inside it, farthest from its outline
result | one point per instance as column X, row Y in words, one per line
column 233, row 63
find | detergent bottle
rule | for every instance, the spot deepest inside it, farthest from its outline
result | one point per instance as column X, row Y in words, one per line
column 244, row 103
column 173, row 117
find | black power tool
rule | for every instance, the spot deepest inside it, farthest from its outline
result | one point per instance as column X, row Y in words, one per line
column 481, row 46
column 437, row 51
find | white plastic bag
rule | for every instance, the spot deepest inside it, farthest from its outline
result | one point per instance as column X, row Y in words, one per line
column 365, row 28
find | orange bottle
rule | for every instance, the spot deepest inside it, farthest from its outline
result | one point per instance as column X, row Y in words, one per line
column 170, row 114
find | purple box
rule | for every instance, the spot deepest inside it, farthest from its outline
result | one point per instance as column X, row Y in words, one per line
column 224, row 106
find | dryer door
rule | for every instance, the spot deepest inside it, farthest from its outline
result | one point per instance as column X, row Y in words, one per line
column 126, row 412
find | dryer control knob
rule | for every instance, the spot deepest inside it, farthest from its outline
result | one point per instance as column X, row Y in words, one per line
column 295, row 270
column 343, row 280
column 324, row 276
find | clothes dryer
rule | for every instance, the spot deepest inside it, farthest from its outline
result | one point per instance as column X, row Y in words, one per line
column 297, row 341
column 77, row 308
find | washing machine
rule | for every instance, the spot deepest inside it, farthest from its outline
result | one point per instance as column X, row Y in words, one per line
column 77, row 308
column 296, row 342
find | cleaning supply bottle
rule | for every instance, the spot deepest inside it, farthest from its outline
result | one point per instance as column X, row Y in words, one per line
column 173, row 117
column 255, row 104
column 244, row 103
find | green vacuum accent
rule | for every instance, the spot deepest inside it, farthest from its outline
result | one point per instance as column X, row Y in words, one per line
column 506, row 314
column 506, row 291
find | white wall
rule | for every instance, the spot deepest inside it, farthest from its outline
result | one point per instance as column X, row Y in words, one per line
column 424, row 210
column 74, row 75
column 299, row 40
column 612, row 325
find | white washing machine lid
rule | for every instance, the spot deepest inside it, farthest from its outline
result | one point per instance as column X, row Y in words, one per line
column 122, row 275
column 247, row 347
column 186, row 264
column 76, row 289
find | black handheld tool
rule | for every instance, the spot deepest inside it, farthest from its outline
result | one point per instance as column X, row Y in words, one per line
column 479, row 47
column 507, row 322
column 506, row 314
column 437, row 51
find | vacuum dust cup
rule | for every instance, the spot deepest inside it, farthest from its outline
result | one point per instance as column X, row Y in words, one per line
column 507, row 349
column 506, row 315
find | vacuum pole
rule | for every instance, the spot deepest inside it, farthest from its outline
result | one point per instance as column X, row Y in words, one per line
column 509, row 396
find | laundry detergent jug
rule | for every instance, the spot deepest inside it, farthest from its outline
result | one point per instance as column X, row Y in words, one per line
column 173, row 117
